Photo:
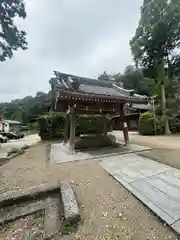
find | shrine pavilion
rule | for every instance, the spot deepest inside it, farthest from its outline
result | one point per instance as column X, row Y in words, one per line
column 76, row 95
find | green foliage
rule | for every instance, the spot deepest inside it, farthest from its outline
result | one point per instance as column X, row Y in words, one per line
column 156, row 39
column 174, row 124
column 11, row 38
column 148, row 125
column 51, row 126
column 134, row 79
column 27, row 109
column 90, row 124
column 158, row 33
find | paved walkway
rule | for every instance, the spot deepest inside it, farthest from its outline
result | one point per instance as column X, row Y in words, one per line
column 155, row 184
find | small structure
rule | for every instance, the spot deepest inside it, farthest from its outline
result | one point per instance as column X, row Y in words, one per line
column 76, row 95
column 10, row 126
column 132, row 111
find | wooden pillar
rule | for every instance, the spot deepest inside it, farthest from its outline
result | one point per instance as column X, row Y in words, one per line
column 72, row 128
column 105, row 126
column 66, row 129
column 124, row 124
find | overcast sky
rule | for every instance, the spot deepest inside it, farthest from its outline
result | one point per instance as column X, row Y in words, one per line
column 83, row 37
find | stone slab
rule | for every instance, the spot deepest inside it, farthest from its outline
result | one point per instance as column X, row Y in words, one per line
column 159, row 198
column 52, row 217
column 155, row 184
column 158, row 211
column 14, row 196
column 12, row 213
column 70, row 205
column 165, row 187
column 170, row 178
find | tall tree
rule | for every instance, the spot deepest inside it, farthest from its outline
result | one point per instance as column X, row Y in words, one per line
column 156, row 38
column 11, row 38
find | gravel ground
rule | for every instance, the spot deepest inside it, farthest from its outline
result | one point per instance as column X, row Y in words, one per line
column 108, row 210
column 166, row 156
column 24, row 228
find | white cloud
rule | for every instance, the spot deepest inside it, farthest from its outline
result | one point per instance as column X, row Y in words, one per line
column 83, row 37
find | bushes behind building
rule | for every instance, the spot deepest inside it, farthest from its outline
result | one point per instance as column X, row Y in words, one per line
column 150, row 124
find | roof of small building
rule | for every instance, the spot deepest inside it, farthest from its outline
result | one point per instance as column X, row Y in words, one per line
column 10, row 121
column 95, row 87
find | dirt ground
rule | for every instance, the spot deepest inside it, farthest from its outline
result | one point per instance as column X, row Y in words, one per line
column 108, row 210
column 165, row 156
column 163, row 142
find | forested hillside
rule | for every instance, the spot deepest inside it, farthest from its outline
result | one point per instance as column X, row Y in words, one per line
column 28, row 108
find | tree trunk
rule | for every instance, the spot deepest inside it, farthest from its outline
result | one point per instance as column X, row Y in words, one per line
column 163, row 99
column 163, row 104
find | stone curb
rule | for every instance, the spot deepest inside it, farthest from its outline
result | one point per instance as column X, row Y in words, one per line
column 15, row 196
column 52, row 217
column 9, row 214
column 70, row 206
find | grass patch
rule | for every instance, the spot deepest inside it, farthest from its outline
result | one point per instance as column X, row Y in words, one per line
column 68, row 228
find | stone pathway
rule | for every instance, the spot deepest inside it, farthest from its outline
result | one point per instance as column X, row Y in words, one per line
column 60, row 152
column 155, row 184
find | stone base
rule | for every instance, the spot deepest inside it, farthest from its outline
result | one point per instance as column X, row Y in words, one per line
column 94, row 141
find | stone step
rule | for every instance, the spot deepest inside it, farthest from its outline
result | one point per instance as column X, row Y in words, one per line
column 15, row 196
column 70, row 206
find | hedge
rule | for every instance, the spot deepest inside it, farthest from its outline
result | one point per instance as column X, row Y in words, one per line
column 147, row 123
column 174, row 124
column 87, row 124
column 51, row 126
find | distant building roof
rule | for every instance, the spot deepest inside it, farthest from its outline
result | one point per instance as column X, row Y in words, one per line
column 11, row 121
column 92, row 87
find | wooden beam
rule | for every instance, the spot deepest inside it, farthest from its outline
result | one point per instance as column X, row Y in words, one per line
column 72, row 128
column 66, row 128
column 124, row 125
column 105, row 126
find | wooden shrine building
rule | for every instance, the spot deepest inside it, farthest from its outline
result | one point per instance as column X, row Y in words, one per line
column 76, row 95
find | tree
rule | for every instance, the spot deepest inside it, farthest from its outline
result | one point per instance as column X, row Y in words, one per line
column 155, row 40
column 11, row 38
column 133, row 79
column 104, row 76
column 28, row 108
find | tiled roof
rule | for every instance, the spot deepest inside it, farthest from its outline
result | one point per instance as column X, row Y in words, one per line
column 72, row 83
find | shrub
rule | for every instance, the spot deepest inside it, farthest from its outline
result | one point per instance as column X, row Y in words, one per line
column 174, row 124
column 87, row 124
column 147, row 124
column 51, row 126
